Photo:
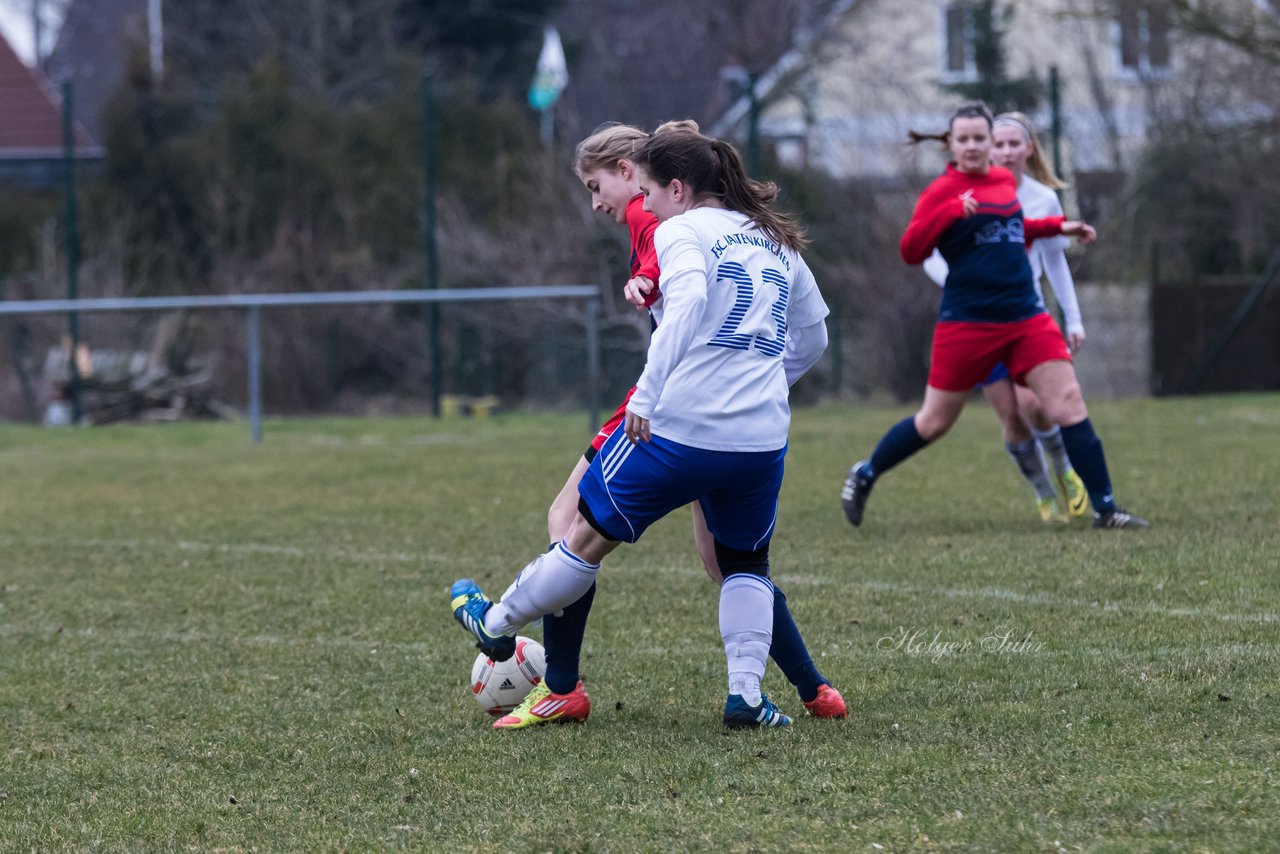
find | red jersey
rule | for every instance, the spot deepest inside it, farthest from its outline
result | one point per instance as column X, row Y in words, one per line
column 644, row 257
column 988, row 278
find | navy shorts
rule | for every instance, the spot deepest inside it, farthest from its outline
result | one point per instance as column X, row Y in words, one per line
column 629, row 487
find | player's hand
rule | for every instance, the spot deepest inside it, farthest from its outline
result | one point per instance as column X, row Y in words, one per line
column 636, row 428
column 637, row 290
column 1074, row 341
column 969, row 203
column 1082, row 231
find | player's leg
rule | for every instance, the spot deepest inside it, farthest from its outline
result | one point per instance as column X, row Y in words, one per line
column 1049, row 436
column 787, row 649
column 1046, row 368
column 563, row 632
column 560, row 696
column 705, row 544
column 565, row 506
column 962, row 355
column 554, row 577
column 1022, row 447
column 936, row 416
column 740, row 510
column 552, row 581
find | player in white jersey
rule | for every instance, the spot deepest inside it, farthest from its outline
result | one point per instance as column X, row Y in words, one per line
column 743, row 319
column 1029, row 434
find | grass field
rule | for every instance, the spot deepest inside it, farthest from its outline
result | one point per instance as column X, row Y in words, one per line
column 209, row 645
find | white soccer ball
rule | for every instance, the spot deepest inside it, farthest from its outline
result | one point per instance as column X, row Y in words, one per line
column 500, row 686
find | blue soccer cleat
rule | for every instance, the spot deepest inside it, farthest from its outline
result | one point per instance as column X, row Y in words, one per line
column 739, row 715
column 469, row 607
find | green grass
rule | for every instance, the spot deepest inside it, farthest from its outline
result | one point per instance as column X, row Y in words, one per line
column 209, row 645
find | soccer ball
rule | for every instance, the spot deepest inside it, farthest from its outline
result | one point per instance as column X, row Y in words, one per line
column 500, row 686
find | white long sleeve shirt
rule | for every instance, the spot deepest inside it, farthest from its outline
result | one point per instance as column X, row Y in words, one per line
column 742, row 318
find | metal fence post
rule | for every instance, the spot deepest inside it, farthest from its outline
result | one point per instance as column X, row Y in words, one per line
column 73, row 244
column 255, row 374
column 1055, row 117
column 429, row 236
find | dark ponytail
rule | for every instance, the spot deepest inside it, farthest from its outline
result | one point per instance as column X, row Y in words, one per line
column 712, row 167
column 972, row 110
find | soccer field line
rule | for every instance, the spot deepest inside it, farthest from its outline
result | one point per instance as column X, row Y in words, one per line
column 1065, row 602
column 995, row 593
column 228, row 548
column 221, row 640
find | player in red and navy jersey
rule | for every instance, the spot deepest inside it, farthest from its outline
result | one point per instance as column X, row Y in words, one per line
column 604, row 164
column 990, row 313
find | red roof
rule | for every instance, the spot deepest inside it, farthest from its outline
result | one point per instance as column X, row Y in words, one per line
column 30, row 113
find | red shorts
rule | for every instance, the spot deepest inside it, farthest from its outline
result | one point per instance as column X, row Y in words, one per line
column 612, row 424
column 964, row 353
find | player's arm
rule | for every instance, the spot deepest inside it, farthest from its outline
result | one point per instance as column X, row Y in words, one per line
column 806, row 325
column 685, row 298
column 1054, row 262
column 934, row 213
column 805, row 346
column 642, row 289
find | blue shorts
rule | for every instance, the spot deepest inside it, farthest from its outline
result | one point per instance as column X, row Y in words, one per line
column 629, row 487
column 999, row 372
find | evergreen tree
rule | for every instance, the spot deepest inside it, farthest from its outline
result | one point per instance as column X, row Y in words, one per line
column 988, row 21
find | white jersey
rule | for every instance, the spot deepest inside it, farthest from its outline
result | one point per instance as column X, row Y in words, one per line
column 1046, row 255
column 715, row 375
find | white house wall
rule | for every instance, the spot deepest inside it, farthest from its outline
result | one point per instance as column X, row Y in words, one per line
column 877, row 75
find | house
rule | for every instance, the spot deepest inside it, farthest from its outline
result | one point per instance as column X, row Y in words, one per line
column 31, row 143
column 845, row 102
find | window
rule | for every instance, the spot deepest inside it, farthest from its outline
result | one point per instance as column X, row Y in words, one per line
column 1144, row 37
column 957, row 42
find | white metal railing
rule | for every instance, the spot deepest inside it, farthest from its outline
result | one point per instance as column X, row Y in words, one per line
column 254, row 303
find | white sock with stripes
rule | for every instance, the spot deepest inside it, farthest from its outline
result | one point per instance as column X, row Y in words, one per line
column 552, row 581
column 746, row 627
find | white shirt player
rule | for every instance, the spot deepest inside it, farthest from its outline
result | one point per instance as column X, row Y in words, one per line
column 1046, row 256
column 742, row 319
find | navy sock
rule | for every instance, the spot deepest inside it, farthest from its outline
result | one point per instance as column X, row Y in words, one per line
column 562, row 639
column 900, row 442
column 789, row 652
column 1084, row 449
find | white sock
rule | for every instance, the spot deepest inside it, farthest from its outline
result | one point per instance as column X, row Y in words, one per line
column 746, row 627
column 1051, row 441
column 522, row 576
column 552, row 581
column 1026, row 456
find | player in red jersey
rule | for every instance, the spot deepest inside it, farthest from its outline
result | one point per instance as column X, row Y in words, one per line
column 990, row 313
column 604, row 164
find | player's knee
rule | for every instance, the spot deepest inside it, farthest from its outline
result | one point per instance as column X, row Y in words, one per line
column 746, row 561
column 933, row 425
column 1068, row 405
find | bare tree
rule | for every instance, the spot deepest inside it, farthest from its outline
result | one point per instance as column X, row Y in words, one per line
column 1253, row 26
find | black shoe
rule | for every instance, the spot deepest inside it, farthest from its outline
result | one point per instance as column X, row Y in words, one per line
column 857, row 486
column 1118, row 518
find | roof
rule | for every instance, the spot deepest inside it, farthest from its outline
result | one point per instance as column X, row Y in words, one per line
column 31, row 114
column 92, row 48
